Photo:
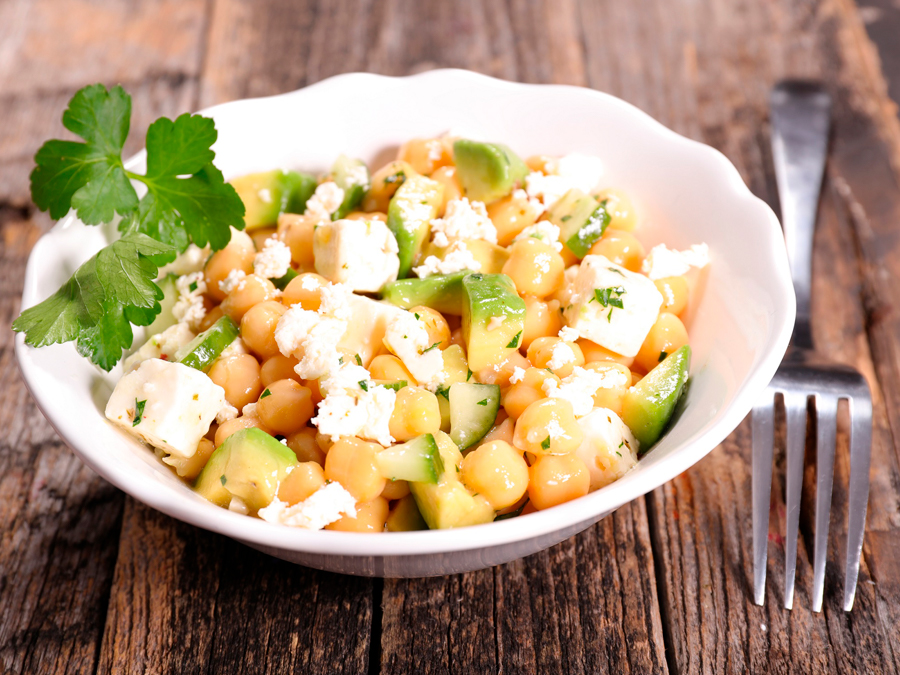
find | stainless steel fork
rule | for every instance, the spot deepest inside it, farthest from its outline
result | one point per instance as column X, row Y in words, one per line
column 800, row 114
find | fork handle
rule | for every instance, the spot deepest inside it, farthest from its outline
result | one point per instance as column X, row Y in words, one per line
column 801, row 113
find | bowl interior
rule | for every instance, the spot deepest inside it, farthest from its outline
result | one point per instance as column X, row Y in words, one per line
column 685, row 192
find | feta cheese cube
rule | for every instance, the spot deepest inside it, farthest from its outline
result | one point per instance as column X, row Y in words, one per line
column 408, row 339
column 168, row 405
column 664, row 262
column 160, row 346
column 323, row 507
column 609, row 449
column 463, row 220
column 359, row 253
column 598, row 289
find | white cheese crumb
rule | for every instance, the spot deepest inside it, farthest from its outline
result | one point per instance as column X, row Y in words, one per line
column 273, row 261
column 609, row 449
column 310, row 283
column 357, row 174
column 323, row 507
column 517, row 376
column 496, row 322
column 189, row 307
column 567, row 334
column 463, row 220
column 355, row 406
column 456, row 258
column 238, row 505
column 664, row 262
column 249, row 409
column 161, row 346
column 561, row 354
column 327, row 198
column 227, row 412
column 435, row 150
column 534, row 204
column 235, row 281
column 408, row 339
column 579, row 387
column 544, row 231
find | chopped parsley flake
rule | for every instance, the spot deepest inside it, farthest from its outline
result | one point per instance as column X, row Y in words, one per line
column 416, row 315
column 609, row 297
column 138, row 411
column 222, row 479
column 618, row 453
column 468, row 376
column 662, row 355
column 193, row 286
column 621, row 444
column 432, row 346
column 444, row 391
column 265, row 393
column 398, row 177
column 363, row 385
column 566, row 218
column 358, row 360
column 341, row 360
column 545, row 444
column 617, row 271
column 482, row 402
column 515, row 341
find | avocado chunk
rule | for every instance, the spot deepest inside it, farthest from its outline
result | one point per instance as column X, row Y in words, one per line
column 249, row 465
column 412, row 208
column 449, row 503
column 490, row 257
column 352, row 176
column 268, row 194
column 493, row 319
column 405, row 516
column 648, row 405
column 487, row 171
column 581, row 219
column 442, row 292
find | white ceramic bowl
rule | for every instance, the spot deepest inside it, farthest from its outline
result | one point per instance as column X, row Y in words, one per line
column 687, row 193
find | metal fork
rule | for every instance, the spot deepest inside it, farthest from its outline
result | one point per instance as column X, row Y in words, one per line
column 800, row 113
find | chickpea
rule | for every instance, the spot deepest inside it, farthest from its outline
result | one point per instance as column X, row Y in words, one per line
column 243, row 422
column 324, row 442
column 313, row 386
column 594, row 352
column 351, row 462
column 237, row 255
column 384, row 184
column 416, row 412
column 510, row 216
column 502, row 429
column 258, row 327
column 500, row 373
column 548, row 427
column 553, row 353
column 457, row 337
column 497, row 471
column 675, row 294
column 427, row 155
column 542, row 319
column 305, row 289
column 238, row 375
column 555, row 479
column 611, row 397
column 299, row 484
column 538, row 163
column 522, row 394
column 304, row 445
column 286, row 408
column 435, row 324
column 190, row 468
column 665, row 336
column 395, row 489
column 446, row 176
column 278, row 367
column 535, row 267
column 210, row 318
column 370, row 517
column 621, row 248
column 389, row 367
column 251, row 291
column 297, row 232
column 620, row 209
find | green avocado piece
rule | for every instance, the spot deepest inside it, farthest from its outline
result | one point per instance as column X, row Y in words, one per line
column 352, row 176
column 412, row 208
column 648, row 405
column 487, row 171
column 268, row 194
column 449, row 503
column 442, row 292
column 582, row 220
column 493, row 319
column 405, row 516
column 249, row 465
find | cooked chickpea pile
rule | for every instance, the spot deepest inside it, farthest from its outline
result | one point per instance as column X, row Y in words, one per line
column 557, row 433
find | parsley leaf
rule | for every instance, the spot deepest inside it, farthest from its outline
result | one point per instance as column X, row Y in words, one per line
column 483, row 402
column 515, row 341
column 363, row 385
column 545, row 444
column 97, row 305
column 264, row 394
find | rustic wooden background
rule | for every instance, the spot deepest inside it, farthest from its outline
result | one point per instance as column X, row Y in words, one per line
column 92, row 581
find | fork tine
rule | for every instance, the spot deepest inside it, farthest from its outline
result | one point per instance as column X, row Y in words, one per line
column 795, row 413
column 763, row 431
column 826, row 432
column 860, row 457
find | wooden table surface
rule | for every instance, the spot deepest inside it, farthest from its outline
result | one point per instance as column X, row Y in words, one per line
column 93, row 581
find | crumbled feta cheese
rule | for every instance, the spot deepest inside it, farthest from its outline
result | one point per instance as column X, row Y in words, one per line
column 310, row 283
column 664, row 262
column 249, row 409
column 226, row 413
column 609, row 449
column 189, row 307
column 547, row 189
column 235, row 281
column 179, row 404
column 579, row 387
column 408, row 339
column 555, row 430
column 534, row 204
column 323, row 507
column 312, row 338
column 544, row 231
column 359, row 253
column 345, row 378
column 496, row 322
column 435, row 149
column 456, row 258
column 273, row 261
column 517, row 376
column 327, row 198
column 355, row 406
column 574, row 171
column 335, row 300
column 567, row 334
column 192, row 260
column 357, row 174
column 619, row 329
column 160, row 346
column 463, row 220
column 236, row 347
column 561, row 355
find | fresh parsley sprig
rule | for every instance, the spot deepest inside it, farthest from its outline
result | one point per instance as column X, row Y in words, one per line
column 187, row 201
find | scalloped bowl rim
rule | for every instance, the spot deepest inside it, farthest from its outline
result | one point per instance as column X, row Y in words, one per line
column 571, row 515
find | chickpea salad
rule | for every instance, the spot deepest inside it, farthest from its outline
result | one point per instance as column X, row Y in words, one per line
column 458, row 336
